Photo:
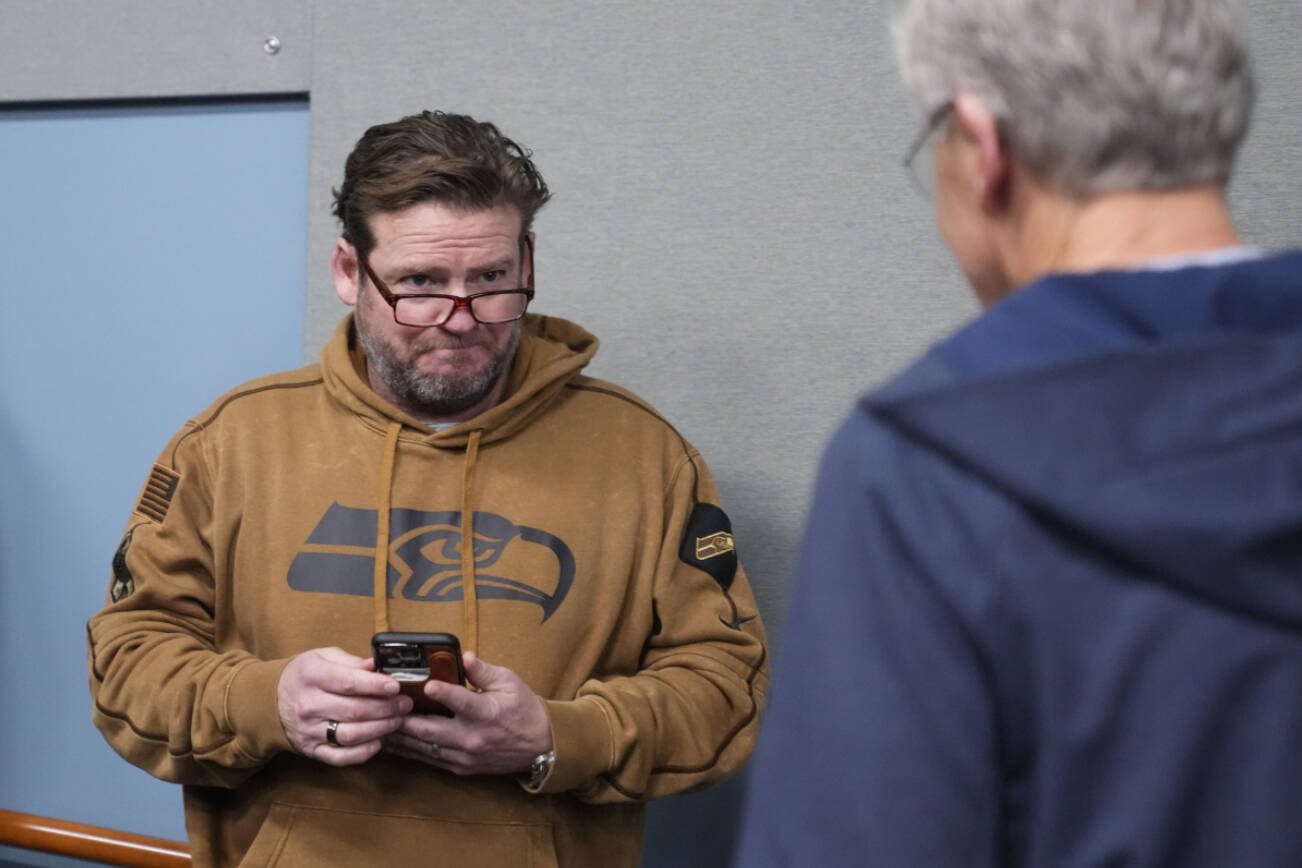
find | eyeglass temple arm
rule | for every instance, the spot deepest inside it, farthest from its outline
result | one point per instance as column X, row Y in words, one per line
column 528, row 245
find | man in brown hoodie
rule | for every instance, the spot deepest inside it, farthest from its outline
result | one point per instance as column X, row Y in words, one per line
column 444, row 467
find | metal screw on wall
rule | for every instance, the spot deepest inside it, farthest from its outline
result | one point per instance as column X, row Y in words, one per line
column 271, row 45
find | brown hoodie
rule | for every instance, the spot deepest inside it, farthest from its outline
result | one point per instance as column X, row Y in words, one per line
column 602, row 574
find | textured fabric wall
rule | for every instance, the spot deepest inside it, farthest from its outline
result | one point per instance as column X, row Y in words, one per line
column 1267, row 190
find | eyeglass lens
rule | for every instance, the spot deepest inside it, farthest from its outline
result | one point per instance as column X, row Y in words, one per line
column 495, row 307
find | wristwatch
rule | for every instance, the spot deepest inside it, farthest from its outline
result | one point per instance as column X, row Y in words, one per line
column 538, row 769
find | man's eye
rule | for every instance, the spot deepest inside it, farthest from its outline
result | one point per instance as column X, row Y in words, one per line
column 492, row 276
column 416, row 281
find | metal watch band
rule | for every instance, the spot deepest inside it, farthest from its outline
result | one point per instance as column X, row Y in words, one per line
column 538, row 769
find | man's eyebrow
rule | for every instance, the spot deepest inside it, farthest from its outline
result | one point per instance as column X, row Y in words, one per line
column 495, row 265
column 504, row 262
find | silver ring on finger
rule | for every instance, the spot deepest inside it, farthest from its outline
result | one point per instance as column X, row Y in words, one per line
column 332, row 732
column 434, row 750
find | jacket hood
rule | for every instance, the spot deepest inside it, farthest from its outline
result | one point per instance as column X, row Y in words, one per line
column 1155, row 417
column 552, row 351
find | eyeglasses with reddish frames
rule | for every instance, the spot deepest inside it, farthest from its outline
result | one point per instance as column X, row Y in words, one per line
column 425, row 309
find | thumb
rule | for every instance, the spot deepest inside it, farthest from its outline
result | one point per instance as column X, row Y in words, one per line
column 482, row 674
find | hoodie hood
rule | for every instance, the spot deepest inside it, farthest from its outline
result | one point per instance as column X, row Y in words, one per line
column 551, row 352
column 1154, row 416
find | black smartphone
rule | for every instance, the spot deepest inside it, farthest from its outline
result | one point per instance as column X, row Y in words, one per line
column 414, row 658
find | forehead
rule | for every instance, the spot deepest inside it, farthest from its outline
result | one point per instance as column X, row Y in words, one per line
column 432, row 229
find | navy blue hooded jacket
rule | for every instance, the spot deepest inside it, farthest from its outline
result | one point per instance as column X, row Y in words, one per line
column 1048, row 610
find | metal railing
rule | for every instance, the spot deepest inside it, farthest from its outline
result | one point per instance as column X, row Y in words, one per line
column 93, row 843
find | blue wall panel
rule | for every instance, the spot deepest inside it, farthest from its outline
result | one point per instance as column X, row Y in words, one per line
column 150, row 258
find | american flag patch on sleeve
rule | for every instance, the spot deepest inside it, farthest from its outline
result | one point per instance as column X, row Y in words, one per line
column 157, row 496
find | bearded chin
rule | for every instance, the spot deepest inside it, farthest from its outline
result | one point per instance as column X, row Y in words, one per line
column 431, row 395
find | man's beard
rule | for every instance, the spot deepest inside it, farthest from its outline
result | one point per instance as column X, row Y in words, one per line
column 433, row 395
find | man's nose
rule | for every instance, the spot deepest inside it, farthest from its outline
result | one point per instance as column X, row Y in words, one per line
column 461, row 321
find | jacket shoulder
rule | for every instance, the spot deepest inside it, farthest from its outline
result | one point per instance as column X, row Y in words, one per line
column 600, row 405
column 278, row 384
column 611, row 398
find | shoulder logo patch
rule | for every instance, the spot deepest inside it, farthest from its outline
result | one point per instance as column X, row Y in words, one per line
column 708, row 544
column 157, row 496
column 714, row 545
column 124, row 584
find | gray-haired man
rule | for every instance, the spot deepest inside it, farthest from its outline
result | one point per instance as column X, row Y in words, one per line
column 1049, row 607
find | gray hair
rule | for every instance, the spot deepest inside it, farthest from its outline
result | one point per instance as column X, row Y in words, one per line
column 1092, row 95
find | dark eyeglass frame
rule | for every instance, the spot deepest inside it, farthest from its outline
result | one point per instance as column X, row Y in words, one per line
column 934, row 120
column 458, row 302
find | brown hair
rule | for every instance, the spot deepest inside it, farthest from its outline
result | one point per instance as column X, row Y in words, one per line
column 450, row 159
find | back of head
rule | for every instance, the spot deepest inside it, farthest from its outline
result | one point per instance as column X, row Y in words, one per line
column 1092, row 95
column 448, row 159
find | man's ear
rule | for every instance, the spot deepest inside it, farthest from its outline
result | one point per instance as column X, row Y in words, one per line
column 992, row 170
column 346, row 271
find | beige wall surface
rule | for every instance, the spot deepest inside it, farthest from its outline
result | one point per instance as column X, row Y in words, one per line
column 730, row 213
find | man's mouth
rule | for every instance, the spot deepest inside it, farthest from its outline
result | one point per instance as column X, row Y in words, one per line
column 455, row 351
column 448, row 345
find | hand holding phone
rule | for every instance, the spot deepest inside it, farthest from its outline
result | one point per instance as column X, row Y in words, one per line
column 414, row 658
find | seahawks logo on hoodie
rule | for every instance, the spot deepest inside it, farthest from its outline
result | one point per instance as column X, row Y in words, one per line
column 425, row 558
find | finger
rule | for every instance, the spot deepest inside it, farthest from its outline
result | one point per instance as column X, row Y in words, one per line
column 482, row 674
column 457, row 699
column 346, row 756
column 430, row 727
column 430, row 753
column 413, row 748
column 414, row 745
column 336, row 671
column 390, row 747
column 347, row 708
column 359, row 682
column 307, row 724
column 342, row 657
column 352, row 734
column 397, row 744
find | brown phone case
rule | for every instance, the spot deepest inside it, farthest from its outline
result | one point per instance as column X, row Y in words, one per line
column 414, row 658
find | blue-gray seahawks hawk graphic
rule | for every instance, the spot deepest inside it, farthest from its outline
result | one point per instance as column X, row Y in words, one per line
column 425, row 558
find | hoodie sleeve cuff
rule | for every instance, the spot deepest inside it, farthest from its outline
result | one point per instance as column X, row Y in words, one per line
column 582, row 740
column 252, row 712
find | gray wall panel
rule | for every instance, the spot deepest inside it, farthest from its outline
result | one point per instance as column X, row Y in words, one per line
column 112, row 49
column 1266, row 193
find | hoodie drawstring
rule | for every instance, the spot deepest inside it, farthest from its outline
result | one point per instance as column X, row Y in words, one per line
column 469, row 591
column 384, row 499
